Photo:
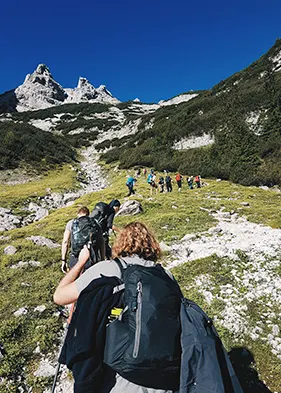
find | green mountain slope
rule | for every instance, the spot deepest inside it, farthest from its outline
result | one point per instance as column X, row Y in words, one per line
column 242, row 151
column 240, row 118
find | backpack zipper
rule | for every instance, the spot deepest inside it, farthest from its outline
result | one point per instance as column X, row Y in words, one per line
column 138, row 320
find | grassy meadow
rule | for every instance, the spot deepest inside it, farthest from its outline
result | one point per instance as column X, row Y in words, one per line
column 171, row 216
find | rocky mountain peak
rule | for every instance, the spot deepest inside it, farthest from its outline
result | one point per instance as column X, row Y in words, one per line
column 83, row 82
column 43, row 70
column 85, row 91
column 40, row 90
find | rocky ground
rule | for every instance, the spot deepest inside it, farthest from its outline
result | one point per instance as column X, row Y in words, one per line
column 253, row 253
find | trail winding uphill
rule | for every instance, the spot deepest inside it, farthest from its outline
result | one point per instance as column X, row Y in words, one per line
column 91, row 178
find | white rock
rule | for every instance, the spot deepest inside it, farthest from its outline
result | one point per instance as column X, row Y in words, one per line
column 40, row 308
column 10, row 250
column 45, row 369
column 275, row 330
column 164, row 246
column 130, row 207
column 43, row 241
column 21, row 311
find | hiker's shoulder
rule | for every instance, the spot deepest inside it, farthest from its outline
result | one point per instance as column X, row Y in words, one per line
column 108, row 268
column 68, row 225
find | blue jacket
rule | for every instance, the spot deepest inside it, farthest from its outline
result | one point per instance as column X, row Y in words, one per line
column 205, row 365
column 130, row 181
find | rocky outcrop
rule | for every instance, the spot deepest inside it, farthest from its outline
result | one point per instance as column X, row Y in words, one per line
column 8, row 220
column 130, row 208
column 40, row 91
column 43, row 241
column 86, row 92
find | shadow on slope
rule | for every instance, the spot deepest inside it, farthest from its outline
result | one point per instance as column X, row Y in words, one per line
column 8, row 102
column 243, row 361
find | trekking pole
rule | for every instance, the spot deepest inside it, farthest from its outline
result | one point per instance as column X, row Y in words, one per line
column 58, row 366
column 66, row 330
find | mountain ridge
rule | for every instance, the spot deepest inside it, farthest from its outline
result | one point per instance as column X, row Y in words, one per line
column 40, row 91
column 231, row 131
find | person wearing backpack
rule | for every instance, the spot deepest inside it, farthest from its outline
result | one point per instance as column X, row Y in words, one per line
column 151, row 339
column 104, row 214
column 190, row 182
column 198, row 181
column 78, row 232
column 161, row 183
column 130, row 184
column 179, row 180
column 151, row 180
column 149, row 362
column 168, row 181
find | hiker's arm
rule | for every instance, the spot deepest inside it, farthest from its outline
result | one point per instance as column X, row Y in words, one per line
column 66, row 291
column 64, row 249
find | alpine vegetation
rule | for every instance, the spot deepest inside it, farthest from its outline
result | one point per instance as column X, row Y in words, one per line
column 193, row 183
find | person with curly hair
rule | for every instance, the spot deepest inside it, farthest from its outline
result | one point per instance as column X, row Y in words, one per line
column 135, row 244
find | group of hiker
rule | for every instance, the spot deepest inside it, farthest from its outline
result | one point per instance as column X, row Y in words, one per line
column 132, row 331
column 162, row 183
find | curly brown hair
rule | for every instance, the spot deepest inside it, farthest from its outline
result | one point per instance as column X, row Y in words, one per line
column 137, row 239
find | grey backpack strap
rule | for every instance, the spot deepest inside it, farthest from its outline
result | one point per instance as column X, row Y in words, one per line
column 120, row 287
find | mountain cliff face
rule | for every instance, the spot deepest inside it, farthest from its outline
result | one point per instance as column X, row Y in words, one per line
column 40, row 91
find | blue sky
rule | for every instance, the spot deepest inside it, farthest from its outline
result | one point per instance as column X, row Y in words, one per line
column 148, row 49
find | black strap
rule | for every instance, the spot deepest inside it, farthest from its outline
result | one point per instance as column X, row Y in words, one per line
column 120, row 265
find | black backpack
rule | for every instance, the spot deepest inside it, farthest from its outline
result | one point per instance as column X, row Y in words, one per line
column 143, row 344
column 85, row 230
column 100, row 214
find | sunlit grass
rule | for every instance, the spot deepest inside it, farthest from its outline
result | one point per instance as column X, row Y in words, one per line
column 171, row 216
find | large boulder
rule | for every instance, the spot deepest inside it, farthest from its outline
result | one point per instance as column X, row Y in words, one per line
column 43, row 241
column 130, row 208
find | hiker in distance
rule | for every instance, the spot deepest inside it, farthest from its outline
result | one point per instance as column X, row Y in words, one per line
column 190, row 182
column 131, row 181
column 179, row 180
column 136, row 247
column 104, row 214
column 78, row 232
column 161, row 183
column 151, row 180
column 198, row 181
column 168, row 181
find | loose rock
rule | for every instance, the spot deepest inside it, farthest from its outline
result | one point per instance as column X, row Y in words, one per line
column 10, row 250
